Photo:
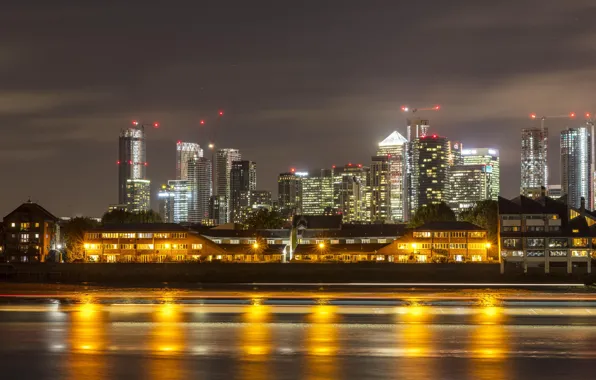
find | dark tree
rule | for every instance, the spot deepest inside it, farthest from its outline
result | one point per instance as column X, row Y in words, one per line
column 124, row 217
column 432, row 213
column 74, row 235
column 262, row 219
column 486, row 215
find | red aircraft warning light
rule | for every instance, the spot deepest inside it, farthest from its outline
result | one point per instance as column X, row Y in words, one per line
column 572, row 115
column 292, row 170
column 156, row 125
column 437, row 107
column 202, row 122
column 532, row 116
column 220, row 113
column 135, row 123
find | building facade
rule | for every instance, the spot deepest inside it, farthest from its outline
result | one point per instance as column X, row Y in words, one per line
column 289, row 192
column 430, row 168
column 134, row 189
column 576, row 166
column 223, row 167
column 30, row 233
column 185, row 152
column 166, row 197
column 469, row 184
column 243, row 181
column 317, row 192
column 182, row 197
column 544, row 232
column 534, row 163
column 201, row 180
column 147, row 243
column 261, row 199
column 380, row 189
column 394, row 148
column 489, row 157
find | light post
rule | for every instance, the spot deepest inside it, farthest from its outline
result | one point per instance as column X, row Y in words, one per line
column 487, row 245
column 321, row 248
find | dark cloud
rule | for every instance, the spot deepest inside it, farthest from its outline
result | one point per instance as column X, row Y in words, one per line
column 304, row 84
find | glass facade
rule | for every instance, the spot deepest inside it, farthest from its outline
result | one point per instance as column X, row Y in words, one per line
column 469, row 184
column 488, row 157
column 394, row 148
column 576, row 166
column 534, row 164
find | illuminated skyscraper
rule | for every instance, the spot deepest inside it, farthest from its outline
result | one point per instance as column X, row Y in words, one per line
column 199, row 171
column 223, row 167
column 485, row 156
column 350, row 188
column 289, row 192
column 469, row 184
column 186, row 151
column 166, row 203
column 576, row 166
column 317, row 192
column 534, row 163
column 394, row 148
column 243, row 180
column 380, row 189
column 134, row 189
column 430, row 167
column 182, row 190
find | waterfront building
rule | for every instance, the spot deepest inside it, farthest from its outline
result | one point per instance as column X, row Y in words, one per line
column 29, row 234
column 380, row 189
column 243, row 180
column 430, row 168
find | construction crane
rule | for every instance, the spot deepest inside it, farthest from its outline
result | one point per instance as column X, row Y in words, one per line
column 590, row 122
column 570, row 115
column 423, row 127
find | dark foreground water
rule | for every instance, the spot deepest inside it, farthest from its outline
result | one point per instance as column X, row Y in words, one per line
column 179, row 342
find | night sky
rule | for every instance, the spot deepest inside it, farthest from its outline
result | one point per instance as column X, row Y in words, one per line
column 304, row 84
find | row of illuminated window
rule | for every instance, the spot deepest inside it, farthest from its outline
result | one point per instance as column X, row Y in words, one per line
column 23, row 226
column 140, row 235
column 142, row 246
column 455, row 234
column 552, row 242
column 535, row 217
column 25, row 238
column 531, row 229
column 541, row 253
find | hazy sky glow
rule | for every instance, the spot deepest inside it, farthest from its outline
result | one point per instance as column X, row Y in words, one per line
column 304, row 84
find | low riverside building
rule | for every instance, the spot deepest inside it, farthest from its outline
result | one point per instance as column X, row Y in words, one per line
column 444, row 242
column 30, row 233
column 148, row 243
column 545, row 231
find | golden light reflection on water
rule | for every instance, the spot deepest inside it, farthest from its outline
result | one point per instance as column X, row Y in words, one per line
column 489, row 347
column 87, row 339
column 255, row 342
column 322, row 343
column 166, row 342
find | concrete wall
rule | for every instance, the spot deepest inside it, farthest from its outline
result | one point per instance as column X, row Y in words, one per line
column 144, row 274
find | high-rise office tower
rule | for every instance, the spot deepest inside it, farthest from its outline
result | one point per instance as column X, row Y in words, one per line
column 430, row 168
column 186, row 151
column 534, row 163
column 166, row 203
column 200, row 177
column 134, row 189
column 380, row 189
column 317, row 192
column 555, row 191
column 261, row 199
column 350, row 187
column 576, row 166
column 469, row 184
column 456, row 149
column 218, row 211
column 223, row 167
column 243, row 180
column 182, row 189
column 485, row 156
column 289, row 192
column 394, row 148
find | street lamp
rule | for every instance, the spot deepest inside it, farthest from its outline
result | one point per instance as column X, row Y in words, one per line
column 255, row 245
column 487, row 245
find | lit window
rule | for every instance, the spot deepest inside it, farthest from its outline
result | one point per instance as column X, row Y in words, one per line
column 197, row 246
column 24, row 238
column 13, row 225
column 36, row 225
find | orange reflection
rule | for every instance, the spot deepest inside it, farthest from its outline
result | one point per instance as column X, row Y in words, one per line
column 86, row 339
column 322, row 346
column 255, row 342
column 166, row 340
column 489, row 346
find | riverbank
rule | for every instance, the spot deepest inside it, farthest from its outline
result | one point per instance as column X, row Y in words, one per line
column 193, row 274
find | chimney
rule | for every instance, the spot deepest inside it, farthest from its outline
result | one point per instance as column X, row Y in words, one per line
column 582, row 204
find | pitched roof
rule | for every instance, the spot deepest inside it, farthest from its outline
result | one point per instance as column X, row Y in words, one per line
column 141, row 227
column 394, row 138
column 31, row 207
column 449, row 226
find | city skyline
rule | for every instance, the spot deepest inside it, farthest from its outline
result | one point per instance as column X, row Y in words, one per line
column 292, row 98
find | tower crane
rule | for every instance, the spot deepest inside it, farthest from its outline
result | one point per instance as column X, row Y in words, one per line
column 423, row 128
